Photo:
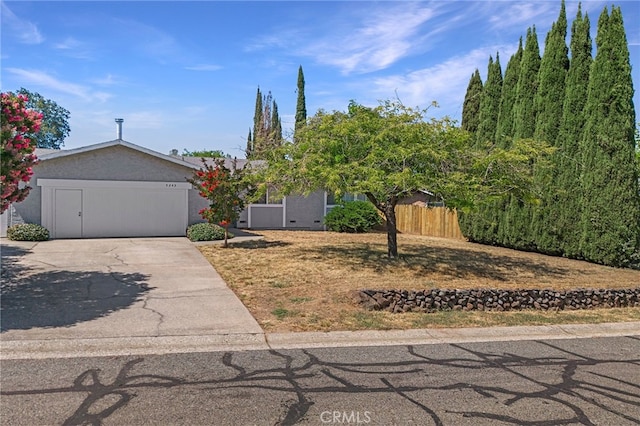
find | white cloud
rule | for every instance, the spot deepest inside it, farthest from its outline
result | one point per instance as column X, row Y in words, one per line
column 444, row 83
column 107, row 80
column 74, row 48
column 204, row 67
column 25, row 31
column 151, row 40
column 146, row 120
column 42, row 79
column 523, row 14
column 276, row 39
column 384, row 37
column 68, row 44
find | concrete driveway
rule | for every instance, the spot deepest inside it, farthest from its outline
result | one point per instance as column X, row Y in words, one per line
column 133, row 293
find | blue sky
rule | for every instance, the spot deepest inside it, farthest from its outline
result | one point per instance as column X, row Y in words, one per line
column 184, row 75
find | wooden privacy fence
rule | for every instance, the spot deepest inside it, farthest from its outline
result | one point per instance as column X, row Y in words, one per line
column 432, row 222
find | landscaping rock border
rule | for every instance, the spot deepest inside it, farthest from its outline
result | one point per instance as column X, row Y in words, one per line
column 496, row 300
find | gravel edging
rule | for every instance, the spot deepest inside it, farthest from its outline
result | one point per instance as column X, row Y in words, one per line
column 495, row 300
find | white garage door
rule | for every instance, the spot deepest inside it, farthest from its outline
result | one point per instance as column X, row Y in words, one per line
column 94, row 209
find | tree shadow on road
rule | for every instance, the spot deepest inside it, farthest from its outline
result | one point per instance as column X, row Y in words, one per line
column 32, row 298
column 532, row 383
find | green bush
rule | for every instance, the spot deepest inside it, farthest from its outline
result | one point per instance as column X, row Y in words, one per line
column 352, row 216
column 206, row 232
column 27, row 232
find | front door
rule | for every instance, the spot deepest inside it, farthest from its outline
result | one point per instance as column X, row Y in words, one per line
column 68, row 213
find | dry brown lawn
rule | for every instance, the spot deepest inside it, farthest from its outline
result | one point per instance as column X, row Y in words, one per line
column 303, row 281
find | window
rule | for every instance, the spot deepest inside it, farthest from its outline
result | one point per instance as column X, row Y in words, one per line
column 269, row 198
column 331, row 199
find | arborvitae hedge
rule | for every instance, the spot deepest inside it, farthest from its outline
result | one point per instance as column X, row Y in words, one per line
column 569, row 157
column 549, row 101
column 471, row 105
column 518, row 215
column 504, row 128
column 591, row 200
column 610, row 194
column 483, row 226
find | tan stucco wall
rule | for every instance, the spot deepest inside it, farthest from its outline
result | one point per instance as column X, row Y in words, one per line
column 111, row 163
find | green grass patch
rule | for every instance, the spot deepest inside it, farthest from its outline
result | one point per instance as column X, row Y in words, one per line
column 279, row 284
column 301, row 299
column 369, row 321
column 282, row 313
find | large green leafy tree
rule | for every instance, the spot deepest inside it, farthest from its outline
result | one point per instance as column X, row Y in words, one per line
column 55, row 120
column 611, row 204
column 301, row 104
column 391, row 151
column 549, row 101
column 569, row 160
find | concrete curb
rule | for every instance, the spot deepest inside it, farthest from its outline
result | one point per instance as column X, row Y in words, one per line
column 448, row 335
column 72, row 348
column 75, row 348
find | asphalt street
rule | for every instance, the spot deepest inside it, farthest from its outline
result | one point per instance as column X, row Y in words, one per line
column 547, row 382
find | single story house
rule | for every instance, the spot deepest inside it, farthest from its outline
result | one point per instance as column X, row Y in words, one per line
column 119, row 189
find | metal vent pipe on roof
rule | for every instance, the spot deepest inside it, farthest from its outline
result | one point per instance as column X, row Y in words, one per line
column 119, row 122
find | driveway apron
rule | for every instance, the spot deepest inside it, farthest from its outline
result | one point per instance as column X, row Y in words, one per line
column 113, row 289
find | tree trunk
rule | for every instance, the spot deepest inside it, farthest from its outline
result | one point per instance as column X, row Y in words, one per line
column 388, row 208
column 392, row 230
column 226, row 235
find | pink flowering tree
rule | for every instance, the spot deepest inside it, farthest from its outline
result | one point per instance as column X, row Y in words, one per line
column 16, row 151
column 224, row 188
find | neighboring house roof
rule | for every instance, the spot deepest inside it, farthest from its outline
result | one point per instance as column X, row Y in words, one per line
column 228, row 162
column 44, row 155
column 42, row 151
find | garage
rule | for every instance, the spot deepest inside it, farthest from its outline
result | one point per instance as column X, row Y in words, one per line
column 110, row 190
column 98, row 208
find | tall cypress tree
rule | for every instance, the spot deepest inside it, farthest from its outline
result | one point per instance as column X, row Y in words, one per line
column 549, row 101
column 267, row 126
column 504, row 132
column 485, row 226
column 611, row 204
column 301, row 104
column 573, row 120
column 490, row 103
column 525, row 113
column 549, row 98
column 249, row 149
column 470, row 121
column 471, row 105
column 257, row 123
column 517, row 218
column 275, row 138
column 504, row 127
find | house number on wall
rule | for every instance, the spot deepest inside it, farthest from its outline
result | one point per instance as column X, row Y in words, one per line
column 170, row 185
